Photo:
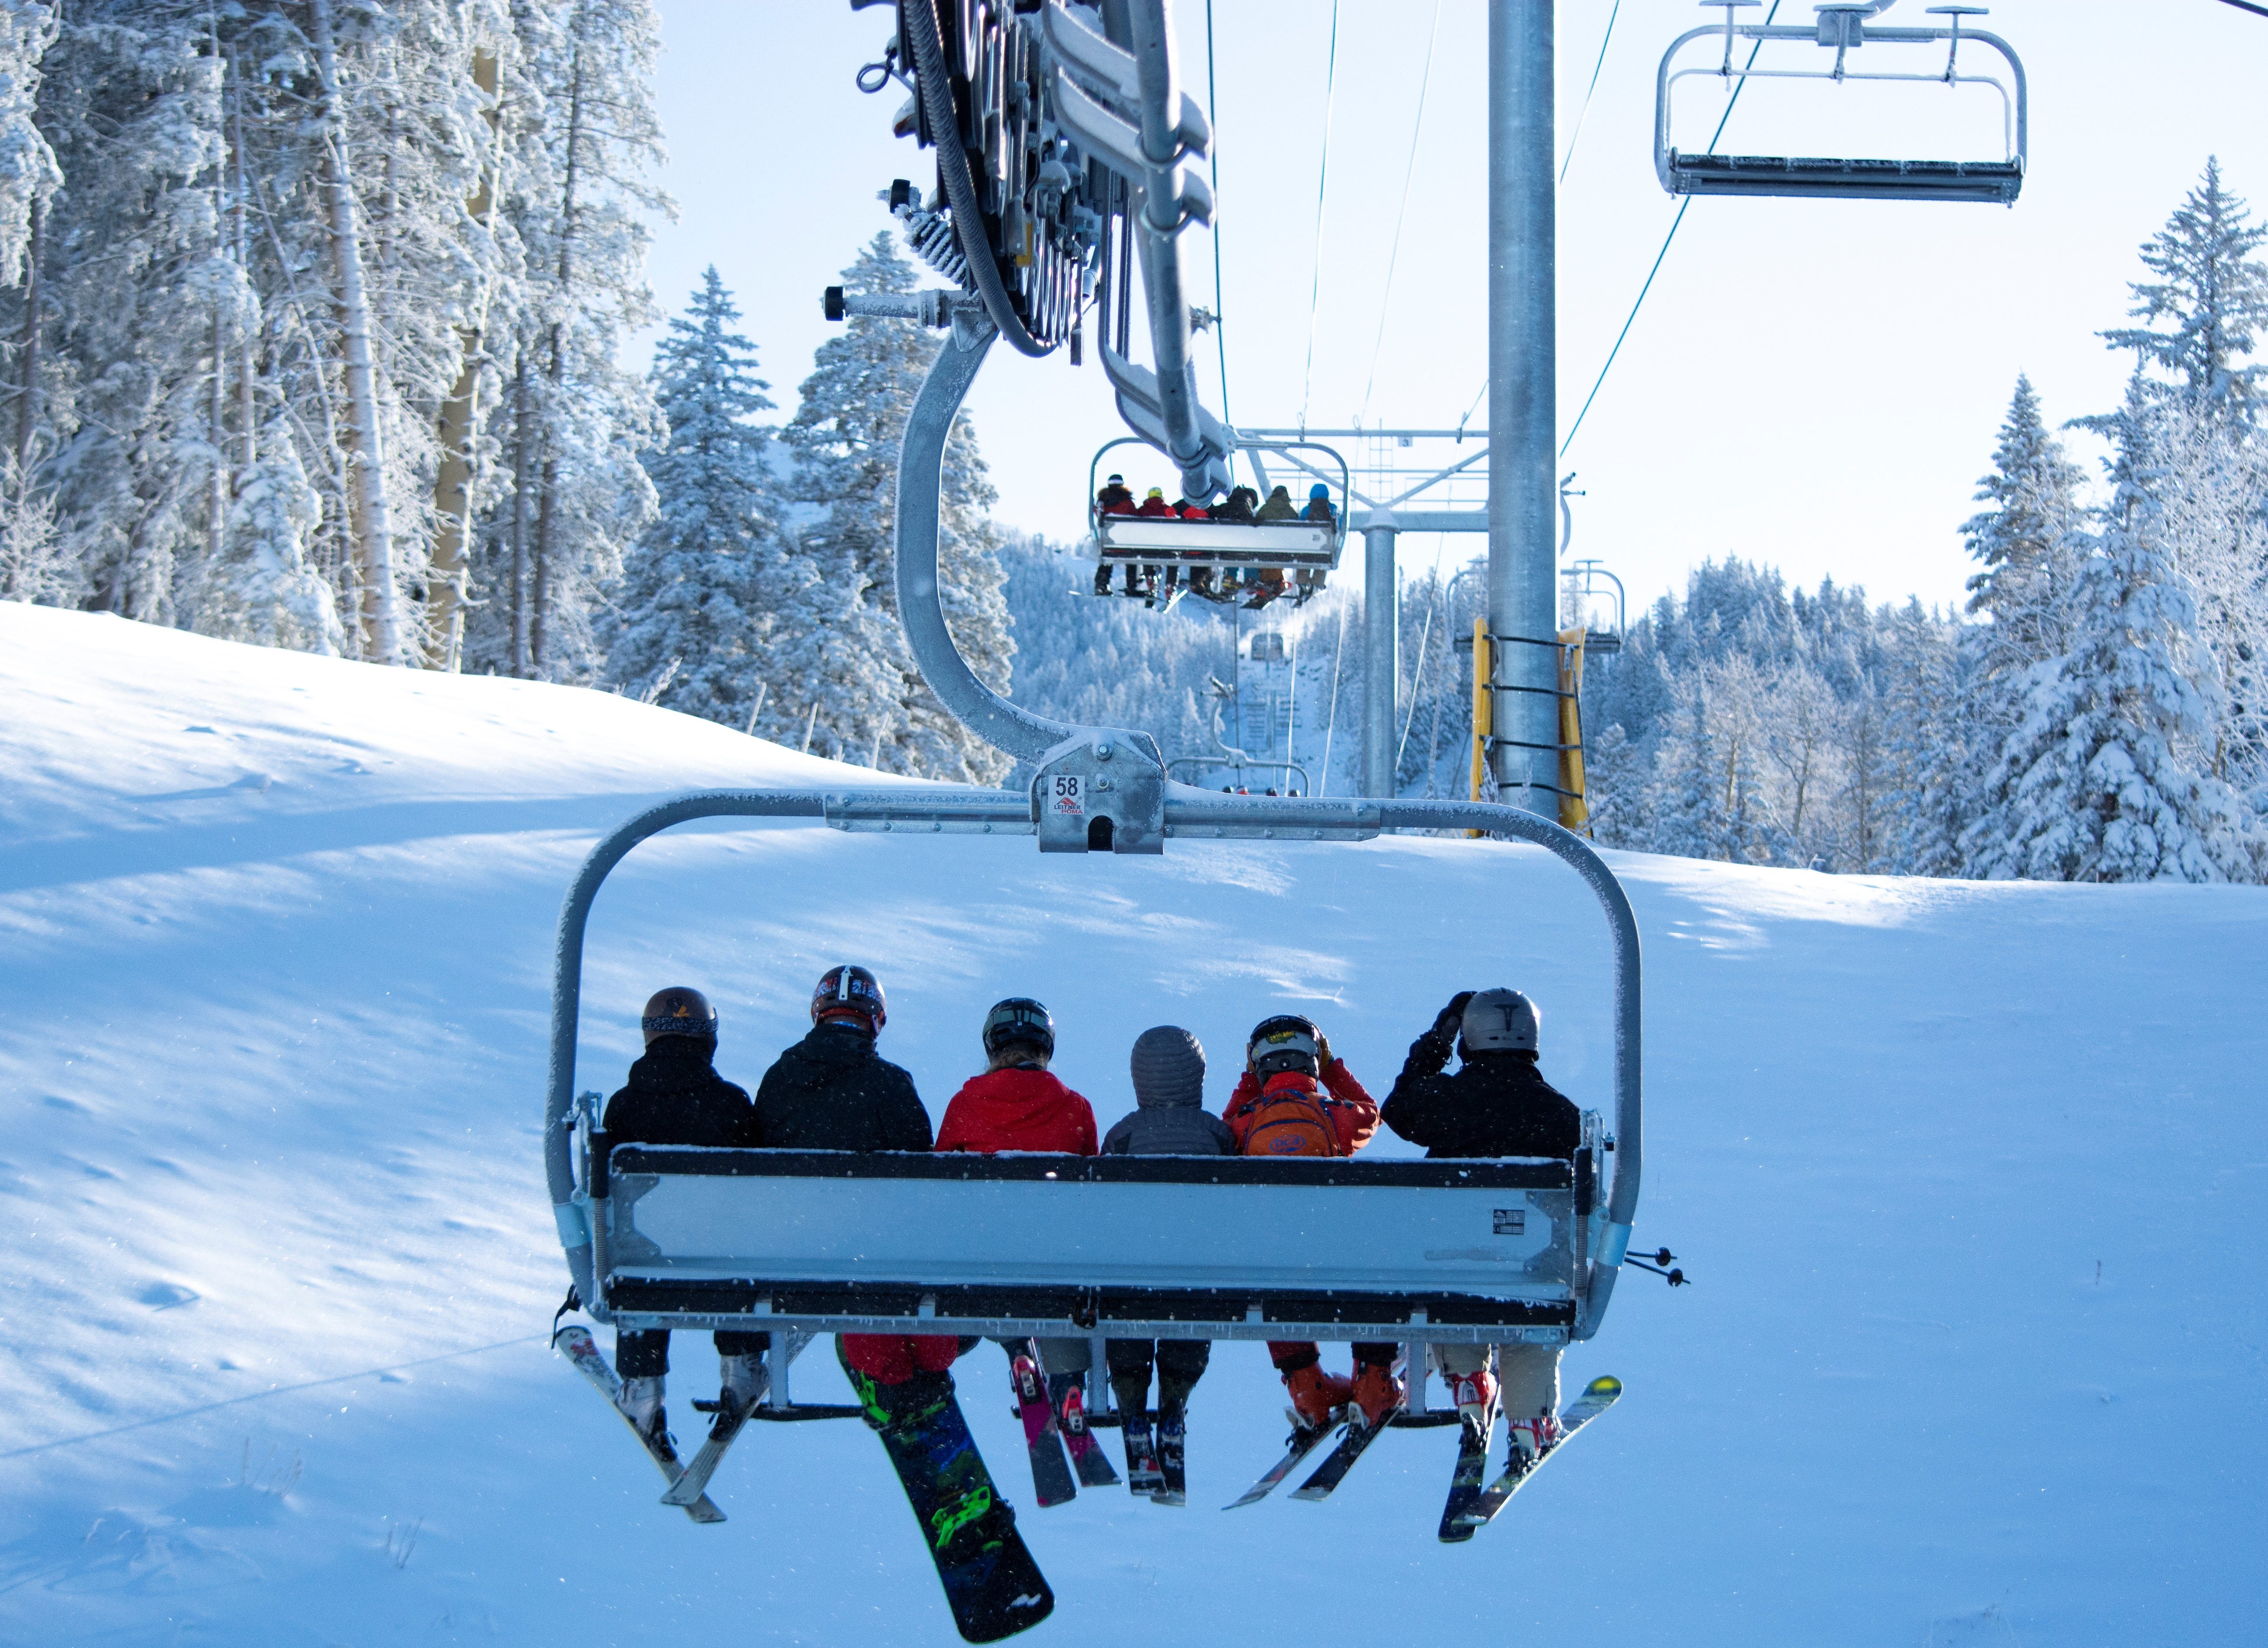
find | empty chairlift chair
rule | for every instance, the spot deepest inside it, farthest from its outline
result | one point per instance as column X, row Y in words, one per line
column 1845, row 29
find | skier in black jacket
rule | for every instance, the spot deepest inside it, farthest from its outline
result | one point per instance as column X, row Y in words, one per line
column 831, row 1091
column 675, row 1097
column 1497, row 1104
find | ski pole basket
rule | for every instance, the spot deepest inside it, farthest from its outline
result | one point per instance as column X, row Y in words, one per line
column 1846, row 30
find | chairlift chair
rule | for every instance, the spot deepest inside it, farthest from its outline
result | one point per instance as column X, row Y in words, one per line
column 1235, row 553
column 1480, row 1251
column 1584, row 579
column 1845, row 28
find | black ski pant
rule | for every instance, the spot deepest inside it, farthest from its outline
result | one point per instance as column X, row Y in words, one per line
column 647, row 1355
column 1181, row 1364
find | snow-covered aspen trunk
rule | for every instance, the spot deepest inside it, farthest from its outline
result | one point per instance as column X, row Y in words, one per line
column 372, row 526
column 454, row 481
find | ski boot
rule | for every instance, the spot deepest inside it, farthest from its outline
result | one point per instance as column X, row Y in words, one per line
column 1377, row 1393
column 742, row 1381
column 641, row 1402
column 1316, row 1396
column 1475, row 1396
column 1534, row 1438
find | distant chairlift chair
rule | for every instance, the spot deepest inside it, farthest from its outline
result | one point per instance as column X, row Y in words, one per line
column 1294, row 557
column 1845, row 28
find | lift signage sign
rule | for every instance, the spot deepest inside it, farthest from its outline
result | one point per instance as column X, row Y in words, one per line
column 1068, row 794
column 1511, row 1221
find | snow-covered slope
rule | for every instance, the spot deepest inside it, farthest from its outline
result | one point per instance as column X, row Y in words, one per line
column 1969, row 1178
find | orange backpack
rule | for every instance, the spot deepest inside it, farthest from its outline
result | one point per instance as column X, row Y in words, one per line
column 1288, row 1123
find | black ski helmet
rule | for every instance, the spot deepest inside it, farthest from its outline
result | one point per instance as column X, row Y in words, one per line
column 678, row 1011
column 1284, row 1042
column 849, row 994
column 1019, row 1020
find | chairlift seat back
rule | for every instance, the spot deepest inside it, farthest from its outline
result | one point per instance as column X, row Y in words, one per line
column 1215, row 1248
column 1154, row 540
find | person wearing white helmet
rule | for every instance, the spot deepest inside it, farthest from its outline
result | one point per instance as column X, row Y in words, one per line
column 1496, row 1104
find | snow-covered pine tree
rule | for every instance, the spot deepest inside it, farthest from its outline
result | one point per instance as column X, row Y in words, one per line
column 840, row 666
column 28, row 173
column 2215, row 294
column 2026, row 541
column 694, row 604
column 2205, row 315
column 2102, row 779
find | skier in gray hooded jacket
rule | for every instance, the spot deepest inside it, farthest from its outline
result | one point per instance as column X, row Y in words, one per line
column 1169, row 1119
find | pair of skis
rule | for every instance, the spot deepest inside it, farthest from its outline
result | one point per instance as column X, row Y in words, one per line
column 1470, row 1506
column 687, row 1492
column 1355, row 1437
column 688, row 1479
column 1050, row 1434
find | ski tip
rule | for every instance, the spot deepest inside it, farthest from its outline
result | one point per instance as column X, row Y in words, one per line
column 1605, row 1385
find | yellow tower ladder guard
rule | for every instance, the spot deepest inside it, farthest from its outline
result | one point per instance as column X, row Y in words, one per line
column 1574, row 810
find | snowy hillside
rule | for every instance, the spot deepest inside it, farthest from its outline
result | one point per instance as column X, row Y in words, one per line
column 1968, row 1178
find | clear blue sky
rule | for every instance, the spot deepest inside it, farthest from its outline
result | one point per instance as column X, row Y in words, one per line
column 1816, row 385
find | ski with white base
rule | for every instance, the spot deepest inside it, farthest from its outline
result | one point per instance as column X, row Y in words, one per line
column 1598, row 1395
column 576, row 1344
column 724, row 1428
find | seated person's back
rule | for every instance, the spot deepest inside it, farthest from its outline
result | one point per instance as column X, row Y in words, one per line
column 832, row 1091
column 675, row 1095
column 1497, row 1104
column 1169, row 1117
column 1278, row 507
column 1018, row 1104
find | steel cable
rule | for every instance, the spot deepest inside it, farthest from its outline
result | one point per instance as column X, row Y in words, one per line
column 1322, row 196
column 1394, row 256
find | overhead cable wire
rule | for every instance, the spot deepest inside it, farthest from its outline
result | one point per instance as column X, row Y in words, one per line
column 1573, row 137
column 1394, row 256
column 1730, row 103
column 1212, row 108
column 2246, row 5
column 1322, row 196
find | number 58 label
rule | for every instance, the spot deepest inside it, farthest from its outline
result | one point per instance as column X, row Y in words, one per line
column 1069, row 793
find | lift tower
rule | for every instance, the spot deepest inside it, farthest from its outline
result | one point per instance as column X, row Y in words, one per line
column 1523, row 402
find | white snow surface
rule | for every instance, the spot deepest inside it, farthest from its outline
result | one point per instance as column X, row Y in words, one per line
column 1970, row 1179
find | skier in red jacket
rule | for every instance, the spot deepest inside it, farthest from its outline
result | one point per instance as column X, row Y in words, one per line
column 1295, row 1098
column 1018, row 1105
